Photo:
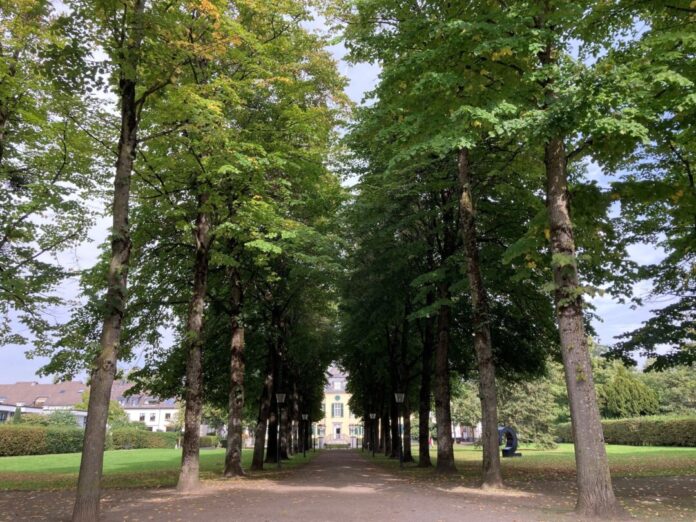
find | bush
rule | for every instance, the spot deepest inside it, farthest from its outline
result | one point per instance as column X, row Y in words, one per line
column 134, row 438
column 39, row 440
column 33, row 419
column 61, row 439
column 209, row 441
column 643, row 431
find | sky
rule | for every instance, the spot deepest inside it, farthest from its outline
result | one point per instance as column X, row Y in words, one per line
column 617, row 317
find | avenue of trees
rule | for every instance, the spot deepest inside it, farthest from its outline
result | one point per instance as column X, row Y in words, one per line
column 463, row 248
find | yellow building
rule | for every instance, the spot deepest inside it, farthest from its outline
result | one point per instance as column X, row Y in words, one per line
column 339, row 426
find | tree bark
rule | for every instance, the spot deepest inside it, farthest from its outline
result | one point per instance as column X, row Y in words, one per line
column 284, row 431
column 386, row 434
column 443, row 416
column 424, row 397
column 273, row 421
column 408, row 456
column 264, row 412
column 395, row 436
column 86, row 507
column 190, row 465
column 480, row 318
column 233, row 458
column 595, row 491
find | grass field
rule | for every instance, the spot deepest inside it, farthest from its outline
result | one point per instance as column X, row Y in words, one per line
column 122, row 468
column 160, row 467
column 558, row 463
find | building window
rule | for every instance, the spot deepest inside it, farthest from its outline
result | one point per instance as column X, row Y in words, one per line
column 152, row 417
column 142, row 417
column 3, row 416
column 337, row 409
column 167, row 416
column 337, row 385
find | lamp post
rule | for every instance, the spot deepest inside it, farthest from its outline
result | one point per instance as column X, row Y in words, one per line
column 305, row 416
column 373, row 416
column 399, row 401
column 280, row 399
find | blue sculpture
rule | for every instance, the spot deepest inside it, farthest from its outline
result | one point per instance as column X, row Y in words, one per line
column 510, row 436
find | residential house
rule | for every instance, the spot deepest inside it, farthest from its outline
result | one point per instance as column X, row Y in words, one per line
column 156, row 414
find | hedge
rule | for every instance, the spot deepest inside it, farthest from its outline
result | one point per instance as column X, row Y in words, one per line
column 39, row 440
column 643, row 431
column 209, row 441
column 134, row 438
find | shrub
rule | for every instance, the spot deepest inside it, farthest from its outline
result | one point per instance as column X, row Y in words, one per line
column 33, row 419
column 39, row 440
column 643, row 431
column 61, row 439
column 134, row 438
column 61, row 418
column 209, row 441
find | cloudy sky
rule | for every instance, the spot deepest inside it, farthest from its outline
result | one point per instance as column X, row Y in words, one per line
column 617, row 318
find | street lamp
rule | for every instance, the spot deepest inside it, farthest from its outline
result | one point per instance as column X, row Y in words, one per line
column 399, row 401
column 305, row 416
column 373, row 416
column 280, row 399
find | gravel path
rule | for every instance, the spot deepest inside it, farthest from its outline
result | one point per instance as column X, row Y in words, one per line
column 335, row 486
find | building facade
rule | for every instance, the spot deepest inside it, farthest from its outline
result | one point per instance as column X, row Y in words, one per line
column 339, row 425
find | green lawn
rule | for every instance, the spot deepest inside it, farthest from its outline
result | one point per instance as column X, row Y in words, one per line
column 122, row 468
column 539, row 464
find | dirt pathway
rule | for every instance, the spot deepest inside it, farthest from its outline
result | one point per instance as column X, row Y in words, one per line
column 335, row 486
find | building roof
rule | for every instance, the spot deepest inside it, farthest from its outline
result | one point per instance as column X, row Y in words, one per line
column 335, row 375
column 61, row 394
column 68, row 393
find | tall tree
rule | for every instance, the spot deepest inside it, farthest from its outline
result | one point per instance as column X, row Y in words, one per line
column 48, row 166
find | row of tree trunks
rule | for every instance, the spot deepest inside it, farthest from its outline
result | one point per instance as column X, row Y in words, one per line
column 189, row 474
column 385, row 435
column 396, row 448
column 406, row 419
column 104, row 367
column 425, row 394
column 480, row 319
column 264, row 411
column 233, row 457
column 443, row 415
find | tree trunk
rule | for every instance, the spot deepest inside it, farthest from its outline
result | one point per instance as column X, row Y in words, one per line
column 480, row 319
column 273, row 421
column 104, row 367
column 264, row 413
column 285, row 436
column 386, row 434
column 295, row 420
column 233, row 458
column 595, row 492
column 188, row 476
column 408, row 456
column 424, row 398
column 443, row 416
column 395, row 436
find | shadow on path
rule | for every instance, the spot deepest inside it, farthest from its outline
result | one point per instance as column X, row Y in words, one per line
column 336, row 485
